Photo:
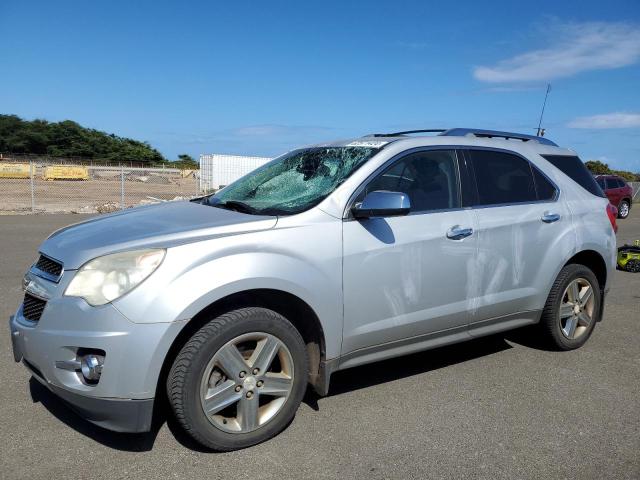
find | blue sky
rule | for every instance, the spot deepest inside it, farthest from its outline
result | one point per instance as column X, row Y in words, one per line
column 259, row 78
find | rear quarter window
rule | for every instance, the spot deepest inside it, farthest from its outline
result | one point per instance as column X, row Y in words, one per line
column 572, row 166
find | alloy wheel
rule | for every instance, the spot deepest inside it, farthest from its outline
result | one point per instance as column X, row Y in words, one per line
column 247, row 382
column 624, row 210
column 577, row 308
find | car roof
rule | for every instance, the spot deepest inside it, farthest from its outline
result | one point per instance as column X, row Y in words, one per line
column 609, row 175
column 456, row 137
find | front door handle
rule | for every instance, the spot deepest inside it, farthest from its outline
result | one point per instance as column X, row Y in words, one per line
column 458, row 233
column 550, row 217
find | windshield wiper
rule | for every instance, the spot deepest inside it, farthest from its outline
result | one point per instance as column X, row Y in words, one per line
column 237, row 206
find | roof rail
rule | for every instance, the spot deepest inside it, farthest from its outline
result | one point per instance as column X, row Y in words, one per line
column 461, row 132
column 396, row 134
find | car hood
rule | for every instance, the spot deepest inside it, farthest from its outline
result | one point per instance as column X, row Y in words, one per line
column 162, row 225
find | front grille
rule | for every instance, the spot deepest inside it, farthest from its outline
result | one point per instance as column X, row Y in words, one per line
column 49, row 266
column 32, row 307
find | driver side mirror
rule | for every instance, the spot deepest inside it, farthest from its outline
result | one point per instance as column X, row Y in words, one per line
column 382, row 203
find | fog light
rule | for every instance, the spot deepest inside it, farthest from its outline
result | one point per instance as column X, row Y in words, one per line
column 91, row 367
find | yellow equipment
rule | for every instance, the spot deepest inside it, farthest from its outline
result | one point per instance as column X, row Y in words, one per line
column 14, row 170
column 65, row 172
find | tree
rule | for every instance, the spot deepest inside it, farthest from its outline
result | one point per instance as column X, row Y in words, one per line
column 631, row 177
column 69, row 139
column 186, row 161
column 597, row 167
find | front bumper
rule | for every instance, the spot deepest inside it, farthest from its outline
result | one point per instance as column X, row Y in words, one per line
column 123, row 398
column 118, row 415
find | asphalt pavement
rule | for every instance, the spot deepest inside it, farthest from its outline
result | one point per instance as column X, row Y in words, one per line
column 497, row 407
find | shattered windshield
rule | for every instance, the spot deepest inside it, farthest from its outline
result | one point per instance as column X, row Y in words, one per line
column 292, row 183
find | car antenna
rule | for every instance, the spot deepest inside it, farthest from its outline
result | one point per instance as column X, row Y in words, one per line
column 544, row 104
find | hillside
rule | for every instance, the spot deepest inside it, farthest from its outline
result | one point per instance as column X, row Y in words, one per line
column 68, row 139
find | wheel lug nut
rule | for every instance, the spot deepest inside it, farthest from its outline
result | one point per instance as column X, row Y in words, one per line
column 242, row 374
column 260, row 383
column 238, row 388
column 255, row 371
column 249, row 394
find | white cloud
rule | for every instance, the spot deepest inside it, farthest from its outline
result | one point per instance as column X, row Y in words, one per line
column 576, row 47
column 607, row 120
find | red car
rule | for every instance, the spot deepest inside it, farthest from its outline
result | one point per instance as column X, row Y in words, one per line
column 618, row 191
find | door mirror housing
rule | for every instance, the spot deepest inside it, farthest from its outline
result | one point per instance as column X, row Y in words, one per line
column 382, row 203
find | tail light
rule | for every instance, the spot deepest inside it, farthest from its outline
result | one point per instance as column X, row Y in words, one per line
column 612, row 213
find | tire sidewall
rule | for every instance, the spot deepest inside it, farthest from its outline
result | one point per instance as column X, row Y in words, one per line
column 257, row 321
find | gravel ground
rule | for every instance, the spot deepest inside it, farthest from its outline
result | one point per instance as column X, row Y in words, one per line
column 498, row 407
column 69, row 196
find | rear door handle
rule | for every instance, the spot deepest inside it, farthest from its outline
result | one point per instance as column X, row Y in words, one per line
column 458, row 233
column 550, row 217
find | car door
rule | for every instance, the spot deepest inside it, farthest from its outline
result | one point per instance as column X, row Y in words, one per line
column 408, row 277
column 613, row 191
column 523, row 234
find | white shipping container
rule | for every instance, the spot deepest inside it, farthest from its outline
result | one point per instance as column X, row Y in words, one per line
column 217, row 171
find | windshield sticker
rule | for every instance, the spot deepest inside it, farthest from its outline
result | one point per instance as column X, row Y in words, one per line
column 367, row 143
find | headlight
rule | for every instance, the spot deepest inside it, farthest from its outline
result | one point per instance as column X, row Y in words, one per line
column 104, row 279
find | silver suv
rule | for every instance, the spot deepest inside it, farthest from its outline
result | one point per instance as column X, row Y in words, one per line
column 328, row 257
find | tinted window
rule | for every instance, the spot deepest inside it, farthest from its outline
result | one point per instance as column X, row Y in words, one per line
column 612, row 183
column 600, row 182
column 429, row 178
column 502, row 178
column 572, row 166
column 621, row 183
column 544, row 188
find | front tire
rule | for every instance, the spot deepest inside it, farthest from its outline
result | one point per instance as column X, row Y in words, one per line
column 572, row 308
column 239, row 380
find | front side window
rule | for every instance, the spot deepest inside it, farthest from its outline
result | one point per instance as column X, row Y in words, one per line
column 502, row 178
column 600, row 182
column 429, row 179
column 293, row 183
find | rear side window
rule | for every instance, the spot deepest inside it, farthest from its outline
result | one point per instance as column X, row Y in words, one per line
column 572, row 166
column 502, row 178
column 544, row 188
column 621, row 183
column 612, row 183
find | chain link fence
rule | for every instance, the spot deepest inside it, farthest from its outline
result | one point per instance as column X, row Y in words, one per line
column 30, row 185
column 51, row 187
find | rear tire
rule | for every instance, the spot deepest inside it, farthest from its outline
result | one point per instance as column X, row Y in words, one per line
column 248, row 368
column 572, row 308
column 623, row 209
